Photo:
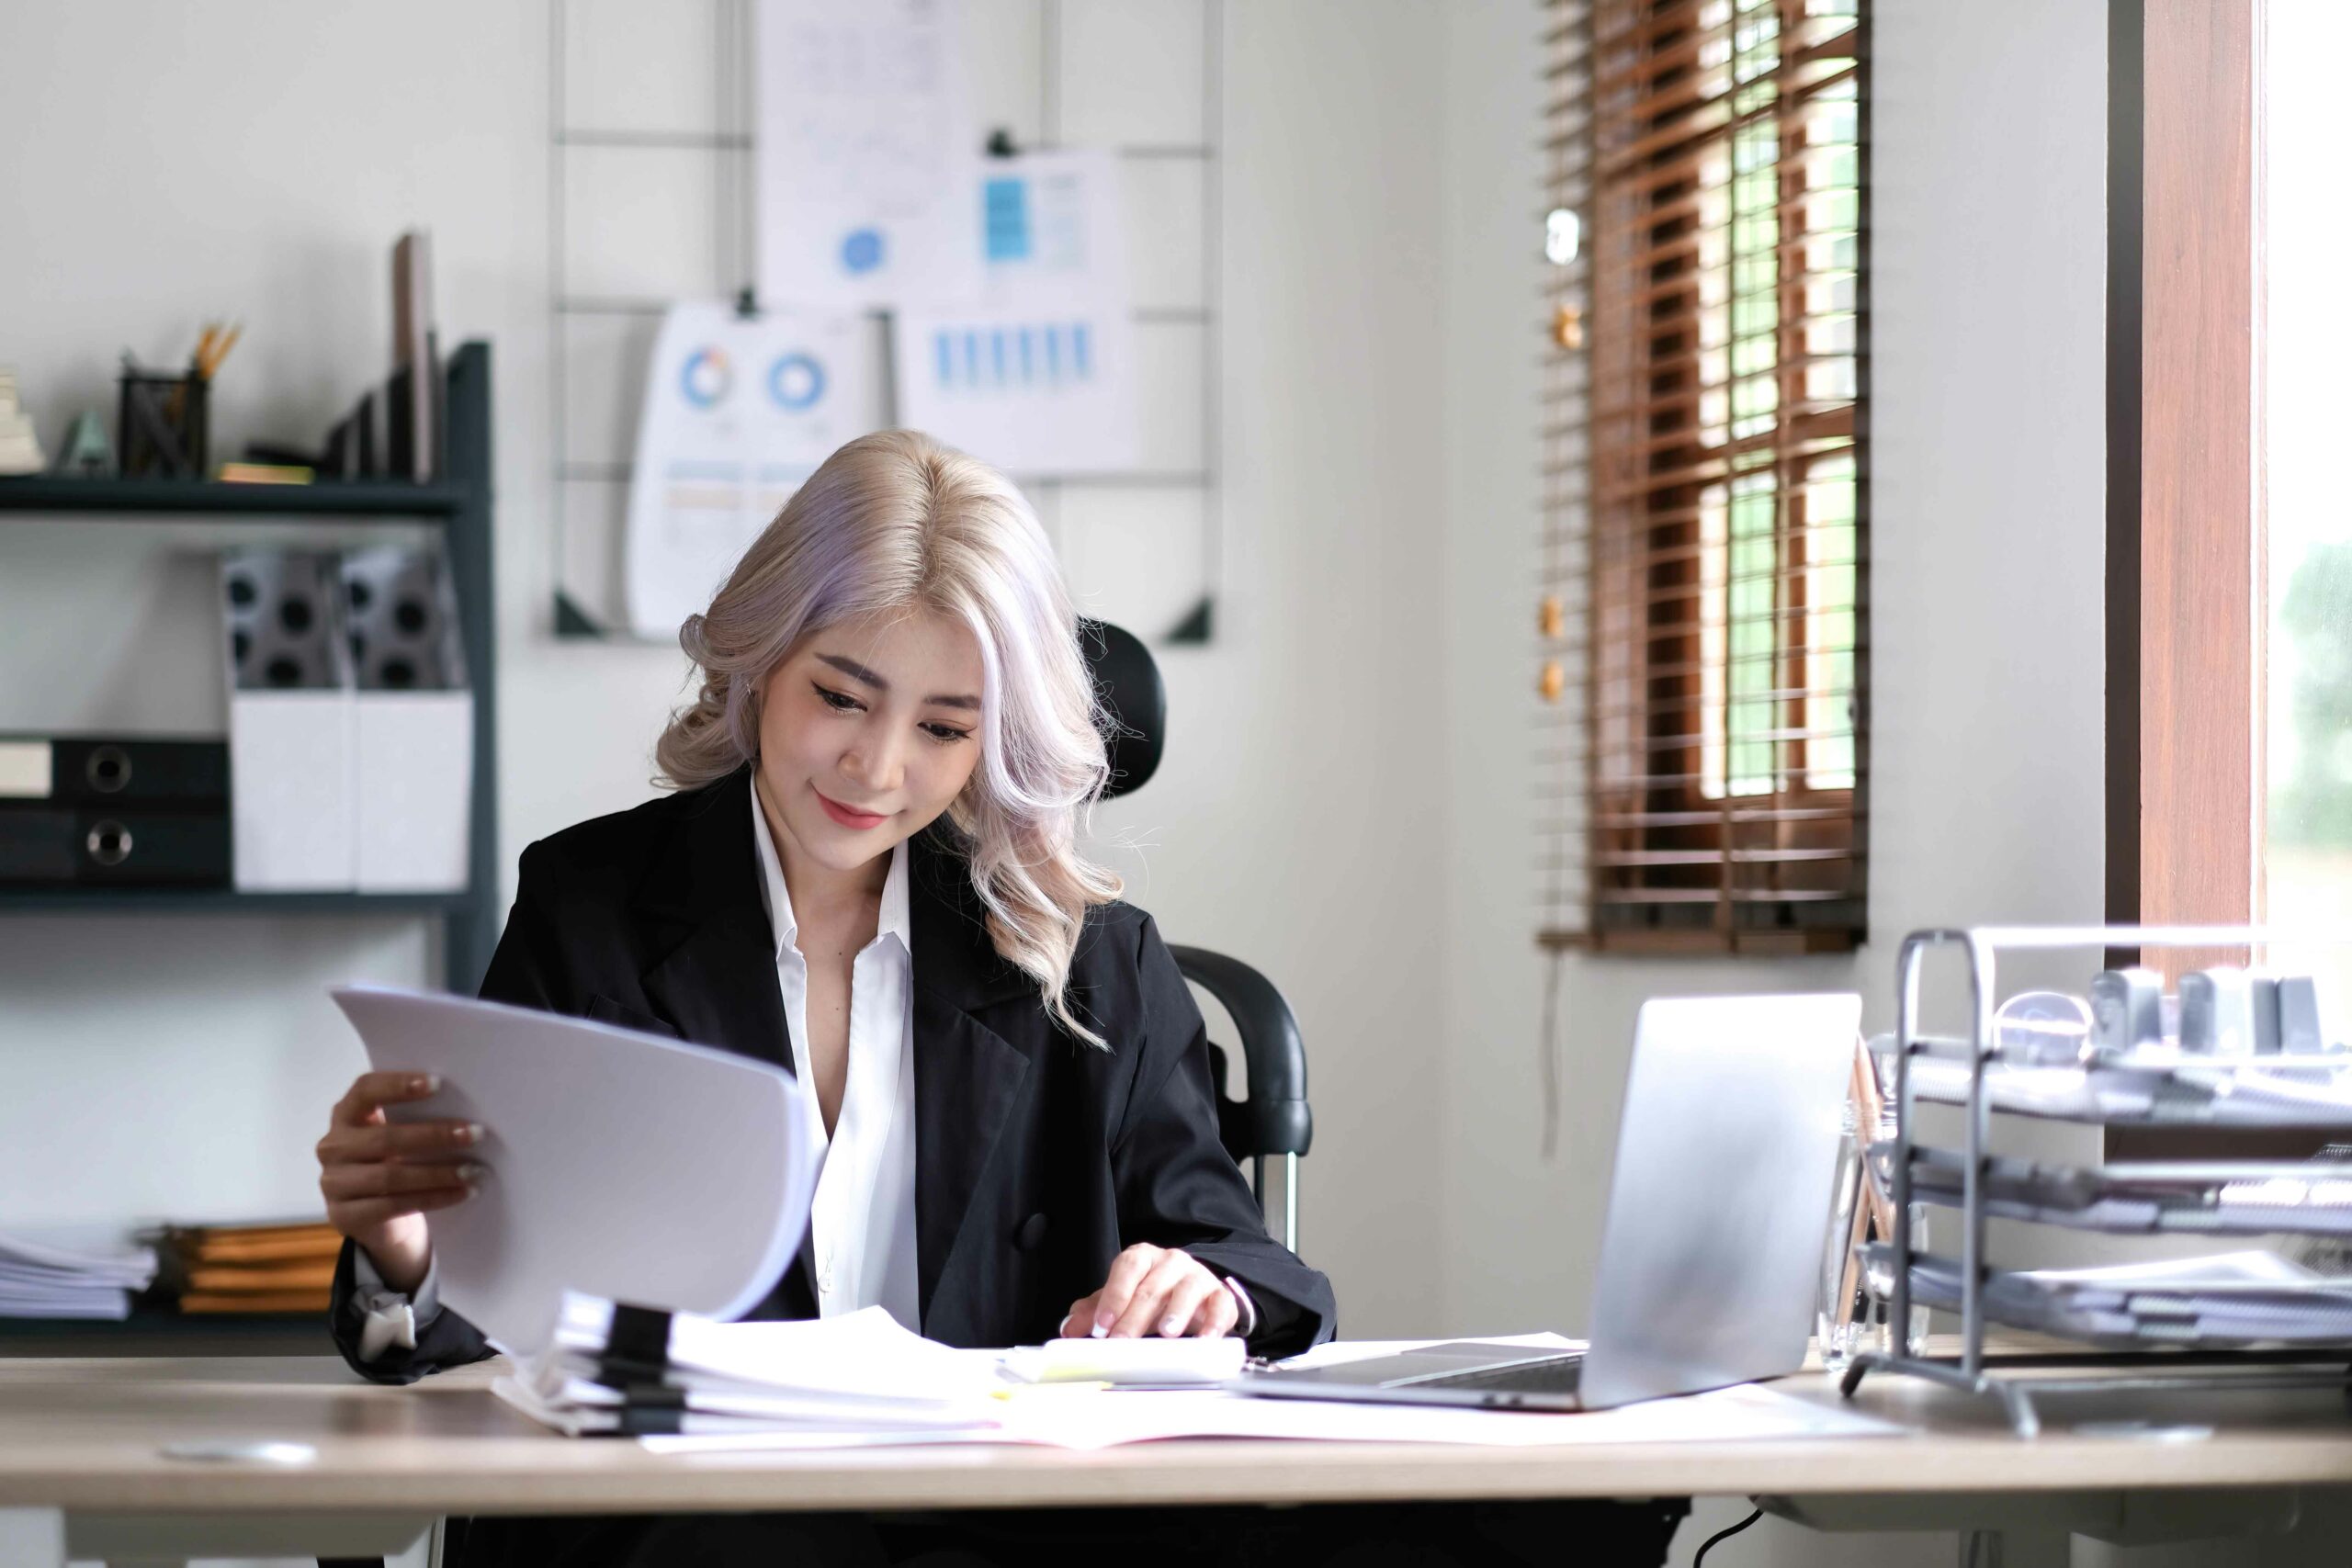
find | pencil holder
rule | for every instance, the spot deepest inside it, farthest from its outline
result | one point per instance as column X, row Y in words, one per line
column 162, row 426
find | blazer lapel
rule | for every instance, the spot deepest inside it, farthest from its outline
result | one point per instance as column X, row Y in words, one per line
column 967, row 1076
column 719, row 983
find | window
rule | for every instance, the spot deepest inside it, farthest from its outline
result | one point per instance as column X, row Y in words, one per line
column 1702, row 759
column 2230, row 555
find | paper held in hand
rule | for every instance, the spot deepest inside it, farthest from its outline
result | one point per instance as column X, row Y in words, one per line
column 626, row 1165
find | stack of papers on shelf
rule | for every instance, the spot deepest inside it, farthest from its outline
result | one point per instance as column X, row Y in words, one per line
column 2229, row 1301
column 2159, row 1086
column 2207, row 1198
column 89, row 1273
column 272, row 1266
column 861, row 1381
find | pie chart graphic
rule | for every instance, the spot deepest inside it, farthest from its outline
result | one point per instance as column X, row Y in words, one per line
column 797, row 382
column 706, row 377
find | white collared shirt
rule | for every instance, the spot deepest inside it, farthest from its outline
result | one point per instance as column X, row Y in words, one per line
column 862, row 1224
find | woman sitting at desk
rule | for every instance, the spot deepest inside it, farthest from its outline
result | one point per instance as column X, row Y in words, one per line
column 869, row 875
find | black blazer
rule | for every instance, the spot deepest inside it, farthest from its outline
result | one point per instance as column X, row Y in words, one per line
column 1037, row 1158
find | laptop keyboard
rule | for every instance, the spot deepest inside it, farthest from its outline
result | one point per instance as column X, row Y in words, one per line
column 1560, row 1375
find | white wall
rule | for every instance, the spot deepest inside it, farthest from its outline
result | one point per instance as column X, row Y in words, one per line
column 259, row 161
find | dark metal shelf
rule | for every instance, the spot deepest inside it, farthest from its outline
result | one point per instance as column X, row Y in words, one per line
column 152, row 1330
column 221, row 901
column 136, row 498
column 461, row 503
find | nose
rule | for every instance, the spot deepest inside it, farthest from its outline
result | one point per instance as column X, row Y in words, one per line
column 877, row 763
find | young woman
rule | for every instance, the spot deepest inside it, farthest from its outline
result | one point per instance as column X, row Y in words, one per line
column 869, row 874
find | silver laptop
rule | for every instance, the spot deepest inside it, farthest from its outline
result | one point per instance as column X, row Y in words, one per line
column 1717, row 1213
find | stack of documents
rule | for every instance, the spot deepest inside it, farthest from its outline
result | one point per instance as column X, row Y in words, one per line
column 2211, row 1199
column 84, row 1273
column 858, row 1373
column 861, row 1381
column 2159, row 1086
column 268, row 1268
column 2229, row 1301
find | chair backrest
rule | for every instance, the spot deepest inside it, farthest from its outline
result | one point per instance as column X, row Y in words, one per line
column 1275, row 1119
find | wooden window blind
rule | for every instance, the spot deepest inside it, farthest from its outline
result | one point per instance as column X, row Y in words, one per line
column 1702, row 745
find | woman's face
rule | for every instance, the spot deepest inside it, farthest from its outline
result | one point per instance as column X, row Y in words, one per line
column 868, row 730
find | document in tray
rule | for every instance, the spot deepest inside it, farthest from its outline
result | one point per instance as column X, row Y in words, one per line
column 2226, row 1302
column 627, row 1166
column 2159, row 1087
column 2199, row 1198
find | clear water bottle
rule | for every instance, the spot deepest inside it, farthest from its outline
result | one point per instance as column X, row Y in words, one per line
column 1852, row 1312
column 1841, row 1313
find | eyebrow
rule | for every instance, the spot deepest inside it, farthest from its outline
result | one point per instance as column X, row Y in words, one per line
column 857, row 671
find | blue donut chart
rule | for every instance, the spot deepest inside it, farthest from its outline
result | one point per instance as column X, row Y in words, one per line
column 705, row 377
column 795, row 381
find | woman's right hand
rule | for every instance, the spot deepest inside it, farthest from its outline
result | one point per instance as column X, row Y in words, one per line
column 381, row 1178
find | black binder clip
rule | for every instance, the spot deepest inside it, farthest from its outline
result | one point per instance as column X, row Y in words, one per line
column 637, row 1347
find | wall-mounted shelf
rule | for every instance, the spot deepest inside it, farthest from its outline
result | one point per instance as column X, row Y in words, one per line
column 143, row 499
column 161, row 1331
column 221, row 901
column 461, row 503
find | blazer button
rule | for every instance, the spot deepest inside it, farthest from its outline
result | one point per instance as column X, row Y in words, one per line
column 1032, row 1233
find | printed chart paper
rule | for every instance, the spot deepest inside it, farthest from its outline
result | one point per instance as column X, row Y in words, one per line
column 865, row 154
column 1038, row 376
column 737, row 412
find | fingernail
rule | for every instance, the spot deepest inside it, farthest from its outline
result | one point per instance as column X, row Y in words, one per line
column 472, row 1174
column 425, row 1083
column 1061, row 1330
column 471, row 1133
column 1102, row 1331
column 1170, row 1327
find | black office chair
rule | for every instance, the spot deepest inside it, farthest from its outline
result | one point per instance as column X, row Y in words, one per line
column 1275, row 1118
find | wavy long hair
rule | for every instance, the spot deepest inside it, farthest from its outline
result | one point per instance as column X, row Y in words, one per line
column 894, row 522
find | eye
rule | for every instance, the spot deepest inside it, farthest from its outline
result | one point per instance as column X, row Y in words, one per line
column 839, row 702
column 946, row 732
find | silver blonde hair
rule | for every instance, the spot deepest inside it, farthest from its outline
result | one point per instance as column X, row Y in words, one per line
column 897, row 522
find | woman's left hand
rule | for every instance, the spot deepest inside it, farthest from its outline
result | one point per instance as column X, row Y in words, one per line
column 1155, row 1290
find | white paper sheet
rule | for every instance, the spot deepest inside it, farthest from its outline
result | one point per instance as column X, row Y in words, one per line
column 1088, row 1419
column 626, row 1165
column 1147, row 1360
column 1038, row 374
column 738, row 411
column 865, row 152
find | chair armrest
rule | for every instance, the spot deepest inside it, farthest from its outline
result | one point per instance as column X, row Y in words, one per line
column 1276, row 1111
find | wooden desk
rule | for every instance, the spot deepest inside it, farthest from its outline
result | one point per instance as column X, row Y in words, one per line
column 80, row 1444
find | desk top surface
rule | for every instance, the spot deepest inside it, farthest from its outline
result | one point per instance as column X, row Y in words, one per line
column 87, row 1434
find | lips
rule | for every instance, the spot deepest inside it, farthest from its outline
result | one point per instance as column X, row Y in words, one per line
column 847, row 816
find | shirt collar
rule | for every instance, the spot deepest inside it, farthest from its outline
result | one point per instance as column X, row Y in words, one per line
column 786, row 926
